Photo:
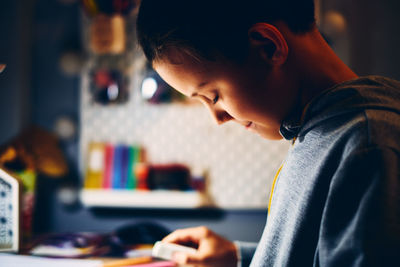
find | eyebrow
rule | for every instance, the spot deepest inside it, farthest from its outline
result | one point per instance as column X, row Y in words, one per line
column 202, row 85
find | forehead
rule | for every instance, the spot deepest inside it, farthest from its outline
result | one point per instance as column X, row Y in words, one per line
column 183, row 72
column 180, row 77
column 175, row 58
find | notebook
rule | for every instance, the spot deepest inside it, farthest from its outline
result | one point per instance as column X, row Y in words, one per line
column 10, row 260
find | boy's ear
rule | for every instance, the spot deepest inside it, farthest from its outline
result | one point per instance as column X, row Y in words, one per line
column 269, row 41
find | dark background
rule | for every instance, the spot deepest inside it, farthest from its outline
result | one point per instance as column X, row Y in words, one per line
column 34, row 90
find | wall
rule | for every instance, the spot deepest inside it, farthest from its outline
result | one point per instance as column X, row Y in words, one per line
column 56, row 31
column 15, row 40
column 370, row 44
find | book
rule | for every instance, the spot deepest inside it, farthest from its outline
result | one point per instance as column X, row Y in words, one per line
column 124, row 166
column 131, row 184
column 108, row 166
column 117, row 168
column 95, row 166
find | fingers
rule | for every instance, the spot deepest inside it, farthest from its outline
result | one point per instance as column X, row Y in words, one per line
column 184, row 258
column 211, row 248
column 181, row 258
column 195, row 236
column 188, row 235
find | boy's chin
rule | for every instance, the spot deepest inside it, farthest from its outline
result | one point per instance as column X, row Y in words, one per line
column 275, row 137
column 266, row 133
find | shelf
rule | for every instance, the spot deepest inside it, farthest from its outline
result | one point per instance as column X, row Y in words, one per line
column 143, row 199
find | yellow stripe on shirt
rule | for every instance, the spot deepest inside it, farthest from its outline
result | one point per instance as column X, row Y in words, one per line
column 273, row 187
column 280, row 168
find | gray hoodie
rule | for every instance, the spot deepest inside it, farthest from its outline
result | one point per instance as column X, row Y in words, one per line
column 336, row 201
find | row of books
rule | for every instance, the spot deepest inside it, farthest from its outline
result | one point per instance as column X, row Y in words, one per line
column 114, row 167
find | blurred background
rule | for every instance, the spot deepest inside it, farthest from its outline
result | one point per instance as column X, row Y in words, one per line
column 110, row 144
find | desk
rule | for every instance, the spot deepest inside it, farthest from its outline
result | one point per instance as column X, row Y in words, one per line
column 11, row 260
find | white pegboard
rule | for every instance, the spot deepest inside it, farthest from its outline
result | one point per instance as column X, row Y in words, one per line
column 241, row 165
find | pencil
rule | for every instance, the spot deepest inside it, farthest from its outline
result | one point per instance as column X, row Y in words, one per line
column 126, row 262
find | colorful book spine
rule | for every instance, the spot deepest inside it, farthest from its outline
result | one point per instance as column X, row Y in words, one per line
column 108, row 166
column 124, row 166
column 131, row 168
column 95, row 167
column 141, row 170
column 117, row 168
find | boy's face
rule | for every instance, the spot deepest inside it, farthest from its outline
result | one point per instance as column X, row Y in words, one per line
column 253, row 94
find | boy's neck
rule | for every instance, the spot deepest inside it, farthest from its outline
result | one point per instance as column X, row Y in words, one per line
column 318, row 67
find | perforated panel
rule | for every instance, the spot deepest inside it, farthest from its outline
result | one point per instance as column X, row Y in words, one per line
column 6, row 218
column 241, row 165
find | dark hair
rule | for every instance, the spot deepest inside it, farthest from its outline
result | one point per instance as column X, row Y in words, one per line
column 210, row 28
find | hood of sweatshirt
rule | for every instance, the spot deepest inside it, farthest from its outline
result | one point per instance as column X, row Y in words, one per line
column 364, row 93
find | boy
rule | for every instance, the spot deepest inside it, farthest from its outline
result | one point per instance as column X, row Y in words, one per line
column 264, row 64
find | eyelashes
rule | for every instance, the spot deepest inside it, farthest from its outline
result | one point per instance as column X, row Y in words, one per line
column 215, row 99
column 207, row 98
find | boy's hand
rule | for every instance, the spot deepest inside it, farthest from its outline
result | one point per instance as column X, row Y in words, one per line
column 212, row 249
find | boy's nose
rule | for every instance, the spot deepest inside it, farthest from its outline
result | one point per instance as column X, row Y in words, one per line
column 221, row 116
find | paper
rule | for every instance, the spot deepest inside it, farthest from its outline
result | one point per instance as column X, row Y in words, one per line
column 9, row 260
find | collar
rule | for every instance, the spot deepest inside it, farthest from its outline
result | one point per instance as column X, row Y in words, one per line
column 291, row 125
column 290, row 129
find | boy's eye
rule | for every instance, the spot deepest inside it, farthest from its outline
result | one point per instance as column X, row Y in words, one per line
column 215, row 99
